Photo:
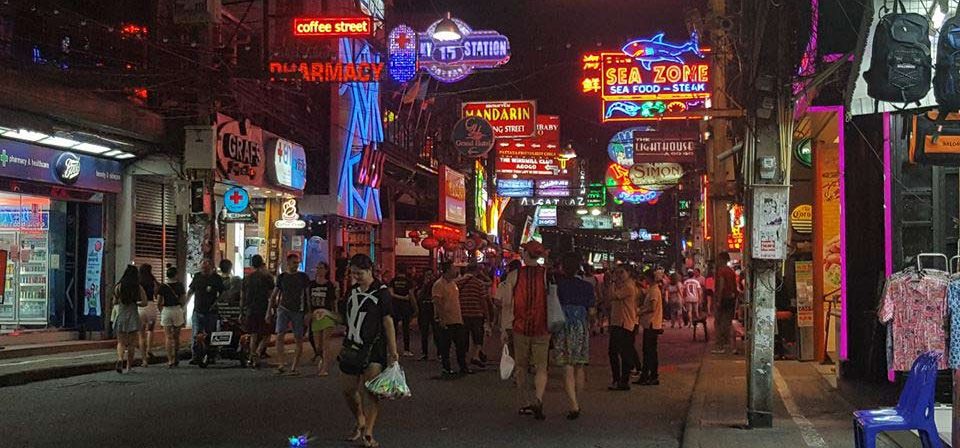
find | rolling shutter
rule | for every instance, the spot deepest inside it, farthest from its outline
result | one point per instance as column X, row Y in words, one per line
column 155, row 225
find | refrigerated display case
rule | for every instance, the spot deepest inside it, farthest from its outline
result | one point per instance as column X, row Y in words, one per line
column 24, row 233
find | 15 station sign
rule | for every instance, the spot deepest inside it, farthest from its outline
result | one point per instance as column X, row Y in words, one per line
column 649, row 79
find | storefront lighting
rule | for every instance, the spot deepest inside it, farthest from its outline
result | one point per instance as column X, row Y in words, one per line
column 124, row 156
column 23, row 134
column 595, row 212
column 447, row 30
column 91, row 148
column 114, row 153
column 582, row 211
column 59, row 142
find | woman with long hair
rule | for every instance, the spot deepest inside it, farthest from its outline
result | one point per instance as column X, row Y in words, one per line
column 127, row 296
column 172, row 317
column 323, row 298
column 370, row 346
column 573, row 342
column 674, row 302
column 148, row 313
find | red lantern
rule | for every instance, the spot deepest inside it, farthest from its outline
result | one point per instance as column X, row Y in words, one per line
column 415, row 240
column 413, row 234
column 430, row 243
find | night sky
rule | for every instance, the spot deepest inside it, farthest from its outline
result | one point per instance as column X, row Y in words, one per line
column 547, row 39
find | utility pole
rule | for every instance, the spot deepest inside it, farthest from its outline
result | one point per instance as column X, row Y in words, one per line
column 770, row 116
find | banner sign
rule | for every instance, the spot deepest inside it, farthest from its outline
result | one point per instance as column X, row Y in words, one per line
column 290, row 216
column 289, row 164
column 546, row 216
column 473, row 136
column 804, row 280
column 19, row 160
column 650, row 79
column 596, row 195
column 333, row 27
column 325, row 72
column 801, row 219
column 453, row 188
column 91, row 280
column 651, row 148
column 532, row 160
column 576, row 201
column 452, row 61
column 240, row 155
column 510, row 119
column 548, row 130
column 554, row 188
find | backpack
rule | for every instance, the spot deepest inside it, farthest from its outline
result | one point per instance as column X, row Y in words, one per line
column 935, row 138
column 900, row 66
column 946, row 81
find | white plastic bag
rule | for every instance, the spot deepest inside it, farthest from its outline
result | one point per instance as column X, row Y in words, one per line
column 506, row 363
column 391, row 384
column 556, row 320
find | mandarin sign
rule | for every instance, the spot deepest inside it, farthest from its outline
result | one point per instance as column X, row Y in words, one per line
column 326, row 72
column 650, row 79
column 333, row 26
column 510, row 119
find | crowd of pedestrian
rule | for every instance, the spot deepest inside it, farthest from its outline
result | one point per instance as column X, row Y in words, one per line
column 544, row 313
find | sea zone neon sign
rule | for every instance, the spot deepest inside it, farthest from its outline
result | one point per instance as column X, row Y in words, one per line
column 649, row 79
column 333, row 27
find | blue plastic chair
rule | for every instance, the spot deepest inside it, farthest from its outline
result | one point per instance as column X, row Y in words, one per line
column 914, row 409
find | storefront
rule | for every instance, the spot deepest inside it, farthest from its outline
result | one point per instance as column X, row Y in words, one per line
column 55, row 232
column 261, row 175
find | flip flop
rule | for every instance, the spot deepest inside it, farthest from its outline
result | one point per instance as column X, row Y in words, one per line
column 357, row 434
column 368, row 442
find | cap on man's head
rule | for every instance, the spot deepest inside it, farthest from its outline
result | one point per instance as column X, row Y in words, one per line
column 534, row 248
column 293, row 255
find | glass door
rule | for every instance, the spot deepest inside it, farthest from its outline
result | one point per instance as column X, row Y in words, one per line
column 24, row 233
column 8, row 304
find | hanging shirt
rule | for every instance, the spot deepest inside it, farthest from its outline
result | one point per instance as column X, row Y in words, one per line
column 953, row 302
column 916, row 307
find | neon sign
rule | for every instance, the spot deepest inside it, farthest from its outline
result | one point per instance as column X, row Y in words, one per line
column 622, row 188
column 402, row 44
column 452, row 61
column 737, row 225
column 510, row 119
column 649, row 79
column 333, row 26
column 320, row 72
column 364, row 129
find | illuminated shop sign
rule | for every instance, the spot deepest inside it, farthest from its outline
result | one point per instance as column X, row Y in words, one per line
column 548, row 129
column 649, row 79
column 333, row 26
column 620, row 149
column 656, row 176
column 531, row 160
column 481, row 197
column 453, row 187
column 290, row 216
column 622, row 189
column 325, row 72
column 402, row 47
column 737, row 225
column 452, row 61
column 289, row 164
column 241, row 158
column 547, row 216
column 651, row 148
column 596, row 195
column 577, row 201
column 554, row 188
column 473, row 136
column 515, row 188
column 510, row 119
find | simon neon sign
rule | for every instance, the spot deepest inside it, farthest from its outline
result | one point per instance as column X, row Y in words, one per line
column 650, row 79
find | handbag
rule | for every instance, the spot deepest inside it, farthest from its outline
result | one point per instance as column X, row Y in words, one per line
column 555, row 317
column 507, row 363
column 355, row 358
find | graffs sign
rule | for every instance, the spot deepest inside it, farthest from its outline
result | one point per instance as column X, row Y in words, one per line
column 656, row 176
column 510, row 119
column 241, row 158
column 19, row 160
column 649, row 148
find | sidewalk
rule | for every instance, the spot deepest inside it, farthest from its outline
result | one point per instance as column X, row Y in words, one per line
column 807, row 413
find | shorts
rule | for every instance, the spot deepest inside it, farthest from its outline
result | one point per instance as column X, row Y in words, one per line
column 287, row 319
column 474, row 326
column 172, row 316
column 325, row 322
column 148, row 314
column 257, row 324
column 531, row 350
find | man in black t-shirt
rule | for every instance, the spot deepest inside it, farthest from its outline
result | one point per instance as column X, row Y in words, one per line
column 292, row 302
column 205, row 289
column 255, row 301
column 404, row 307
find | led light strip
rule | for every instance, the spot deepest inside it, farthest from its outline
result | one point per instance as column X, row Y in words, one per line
column 65, row 143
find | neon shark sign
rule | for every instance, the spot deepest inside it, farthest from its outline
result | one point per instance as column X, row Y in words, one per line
column 650, row 79
column 653, row 50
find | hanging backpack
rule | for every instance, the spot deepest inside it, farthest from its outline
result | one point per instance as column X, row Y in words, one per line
column 900, row 66
column 946, row 81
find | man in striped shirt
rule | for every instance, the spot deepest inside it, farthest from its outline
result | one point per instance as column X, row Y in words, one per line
column 475, row 305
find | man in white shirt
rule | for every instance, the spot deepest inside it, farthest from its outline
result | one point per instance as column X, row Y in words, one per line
column 693, row 297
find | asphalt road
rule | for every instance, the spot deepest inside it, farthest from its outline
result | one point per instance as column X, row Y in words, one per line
column 225, row 406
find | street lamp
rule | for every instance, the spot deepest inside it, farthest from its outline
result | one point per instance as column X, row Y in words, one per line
column 595, row 212
column 447, row 30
